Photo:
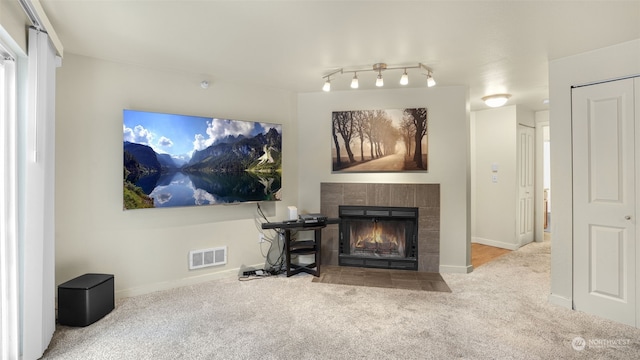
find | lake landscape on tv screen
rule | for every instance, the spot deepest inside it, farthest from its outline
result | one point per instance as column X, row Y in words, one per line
column 179, row 160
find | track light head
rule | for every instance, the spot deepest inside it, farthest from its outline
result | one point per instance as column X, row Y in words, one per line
column 327, row 85
column 430, row 81
column 354, row 81
column 404, row 80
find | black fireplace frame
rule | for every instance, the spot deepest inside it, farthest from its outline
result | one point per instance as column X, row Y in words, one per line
column 386, row 213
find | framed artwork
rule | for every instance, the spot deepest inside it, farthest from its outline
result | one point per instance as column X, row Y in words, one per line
column 179, row 160
column 380, row 140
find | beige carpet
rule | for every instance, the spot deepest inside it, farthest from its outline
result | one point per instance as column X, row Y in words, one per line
column 500, row 311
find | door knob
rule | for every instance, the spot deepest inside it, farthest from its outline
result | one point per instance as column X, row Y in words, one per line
column 628, row 217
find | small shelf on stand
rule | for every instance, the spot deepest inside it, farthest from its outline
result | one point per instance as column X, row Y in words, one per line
column 301, row 247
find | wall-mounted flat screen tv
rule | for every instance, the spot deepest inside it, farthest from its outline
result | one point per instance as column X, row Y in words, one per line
column 179, row 160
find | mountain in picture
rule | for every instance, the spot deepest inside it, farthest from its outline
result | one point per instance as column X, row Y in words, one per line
column 261, row 153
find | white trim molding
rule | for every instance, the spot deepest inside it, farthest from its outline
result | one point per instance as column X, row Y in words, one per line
column 452, row 269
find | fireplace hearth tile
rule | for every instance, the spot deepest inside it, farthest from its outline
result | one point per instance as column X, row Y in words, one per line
column 440, row 286
column 331, row 270
column 348, row 279
column 331, row 278
column 352, row 271
column 404, row 275
column 379, row 281
column 429, row 276
column 382, row 278
column 406, row 284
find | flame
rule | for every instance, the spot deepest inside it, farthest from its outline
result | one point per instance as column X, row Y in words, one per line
column 379, row 239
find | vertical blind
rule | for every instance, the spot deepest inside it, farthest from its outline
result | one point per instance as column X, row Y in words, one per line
column 9, row 276
column 38, row 268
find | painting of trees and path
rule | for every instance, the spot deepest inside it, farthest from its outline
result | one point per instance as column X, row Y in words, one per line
column 380, row 140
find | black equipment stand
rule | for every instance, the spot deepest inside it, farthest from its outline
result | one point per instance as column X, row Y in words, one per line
column 302, row 247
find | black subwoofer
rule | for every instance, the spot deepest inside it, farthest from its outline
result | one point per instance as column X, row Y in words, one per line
column 85, row 299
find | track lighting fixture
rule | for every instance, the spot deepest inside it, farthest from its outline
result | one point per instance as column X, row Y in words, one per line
column 430, row 81
column 354, row 81
column 379, row 68
column 404, row 80
column 496, row 100
column 327, row 85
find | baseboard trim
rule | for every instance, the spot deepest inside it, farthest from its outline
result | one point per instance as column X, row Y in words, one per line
column 560, row 301
column 192, row 280
column 452, row 269
column 495, row 243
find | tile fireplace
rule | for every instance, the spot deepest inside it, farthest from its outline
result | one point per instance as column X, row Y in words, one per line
column 425, row 197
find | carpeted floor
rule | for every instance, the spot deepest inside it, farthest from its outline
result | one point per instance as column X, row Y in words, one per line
column 500, row 311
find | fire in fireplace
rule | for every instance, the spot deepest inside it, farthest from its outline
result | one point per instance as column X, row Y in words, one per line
column 377, row 238
column 381, row 237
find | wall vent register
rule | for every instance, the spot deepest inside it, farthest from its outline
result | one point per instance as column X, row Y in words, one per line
column 207, row 257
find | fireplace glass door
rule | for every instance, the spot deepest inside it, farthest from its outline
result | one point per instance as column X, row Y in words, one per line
column 381, row 237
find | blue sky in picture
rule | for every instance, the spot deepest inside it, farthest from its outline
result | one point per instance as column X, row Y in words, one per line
column 180, row 135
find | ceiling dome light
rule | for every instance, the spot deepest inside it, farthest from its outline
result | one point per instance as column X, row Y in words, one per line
column 354, row 81
column 496, row 100
column 404, row 80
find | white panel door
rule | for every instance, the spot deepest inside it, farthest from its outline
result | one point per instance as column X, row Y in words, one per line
column 526, row 176
column 604, row 200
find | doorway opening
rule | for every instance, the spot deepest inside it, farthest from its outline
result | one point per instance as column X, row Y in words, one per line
column 546, row 179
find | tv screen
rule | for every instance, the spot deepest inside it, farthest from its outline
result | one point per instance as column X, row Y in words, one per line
column 179, row 160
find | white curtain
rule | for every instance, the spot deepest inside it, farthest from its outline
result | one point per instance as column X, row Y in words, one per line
column 9, row 277
column 37, row 214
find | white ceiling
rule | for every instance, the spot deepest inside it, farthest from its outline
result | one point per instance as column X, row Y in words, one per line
column 489, row 46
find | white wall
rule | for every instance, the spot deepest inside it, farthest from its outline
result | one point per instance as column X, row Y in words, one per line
column 147, row 249
column 495, row 143
column 12, row 23
column 448, row 155
column 608, row 63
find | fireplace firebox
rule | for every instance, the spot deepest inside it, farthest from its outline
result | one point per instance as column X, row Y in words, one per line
column 378, row 237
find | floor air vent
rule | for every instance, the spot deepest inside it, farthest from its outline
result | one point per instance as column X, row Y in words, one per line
column 207, row 257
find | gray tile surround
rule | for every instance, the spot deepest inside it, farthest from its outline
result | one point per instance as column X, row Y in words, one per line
column 426, row 197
